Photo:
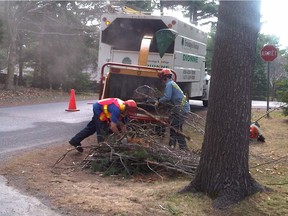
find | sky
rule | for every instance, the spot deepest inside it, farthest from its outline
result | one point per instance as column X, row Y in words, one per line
column 274, row 19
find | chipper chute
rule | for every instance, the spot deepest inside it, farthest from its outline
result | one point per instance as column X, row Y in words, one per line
column 165, row 38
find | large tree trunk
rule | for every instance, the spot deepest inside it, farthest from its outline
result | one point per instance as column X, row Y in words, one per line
column 223, row 172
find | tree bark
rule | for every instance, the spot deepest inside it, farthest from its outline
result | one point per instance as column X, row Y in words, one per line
column 9, row 84
column 20, row 60
column 12, row 30
column 223, row 171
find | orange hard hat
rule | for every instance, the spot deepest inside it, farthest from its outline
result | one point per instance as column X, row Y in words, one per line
column 165, row 72
column 131, row 106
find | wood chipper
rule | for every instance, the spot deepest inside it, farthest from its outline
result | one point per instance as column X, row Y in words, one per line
column 132, row 48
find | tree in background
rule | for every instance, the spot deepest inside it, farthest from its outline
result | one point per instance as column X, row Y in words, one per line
column 143, row 6
column 282, row 94
column 281, row 86
column 13, row 15
column 223, row 171
column 1, row 42
column 195, row 10
column 60, row 42
column 259, row 77
column 277, row 74
column 210, row 47
column 54, row 38
column 57, row 39
column 1, row 31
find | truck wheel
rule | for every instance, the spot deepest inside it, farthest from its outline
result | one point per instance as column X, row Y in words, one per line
column 205, row 103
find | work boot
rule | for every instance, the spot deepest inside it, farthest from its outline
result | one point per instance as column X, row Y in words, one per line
column 183, row 146
column 76, row 145
column 172, row 143
column 261, row 138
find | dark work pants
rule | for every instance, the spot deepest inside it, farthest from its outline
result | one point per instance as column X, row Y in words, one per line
column 177, row 121
column 95, row 125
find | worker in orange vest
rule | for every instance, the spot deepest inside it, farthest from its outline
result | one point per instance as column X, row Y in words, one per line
column 108, row 114
column 255, row 132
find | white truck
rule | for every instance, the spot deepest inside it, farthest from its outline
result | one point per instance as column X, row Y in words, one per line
column 122, row 41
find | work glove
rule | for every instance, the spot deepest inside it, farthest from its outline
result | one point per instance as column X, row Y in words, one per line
column 156, row 103
column 151, row 100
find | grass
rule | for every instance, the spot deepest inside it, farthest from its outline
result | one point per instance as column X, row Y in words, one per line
column 268, row 165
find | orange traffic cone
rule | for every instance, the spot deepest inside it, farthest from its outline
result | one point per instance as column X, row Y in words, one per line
column 72, row 102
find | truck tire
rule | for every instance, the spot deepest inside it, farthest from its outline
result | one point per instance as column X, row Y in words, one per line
column 205, row 103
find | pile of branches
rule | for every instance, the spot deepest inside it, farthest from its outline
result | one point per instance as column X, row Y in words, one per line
column 139, row 155
column 147, row 149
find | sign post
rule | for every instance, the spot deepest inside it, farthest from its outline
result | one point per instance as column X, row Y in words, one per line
column 268, row 53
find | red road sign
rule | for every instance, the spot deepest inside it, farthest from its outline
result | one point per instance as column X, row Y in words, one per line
column 268, row 53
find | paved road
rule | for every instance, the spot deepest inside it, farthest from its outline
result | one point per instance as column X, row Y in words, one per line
column 23, row 127
column 13, row 203
column 196, row 104
column 27, row 126
column 263, row 104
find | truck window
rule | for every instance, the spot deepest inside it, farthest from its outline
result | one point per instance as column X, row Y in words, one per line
column 126, row 34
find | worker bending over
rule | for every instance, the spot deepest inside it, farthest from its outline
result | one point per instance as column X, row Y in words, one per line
column 109, row 113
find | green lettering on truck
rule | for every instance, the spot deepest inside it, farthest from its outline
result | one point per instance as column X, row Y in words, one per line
column 190, row 58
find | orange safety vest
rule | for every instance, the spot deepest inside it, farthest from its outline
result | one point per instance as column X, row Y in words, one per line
column 105, row 115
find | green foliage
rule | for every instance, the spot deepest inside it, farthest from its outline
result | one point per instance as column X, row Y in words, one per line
column 141, row 5
column 97, row 166
column 140, row 154
column 195, row 10
column 80, row 82
column 282, row 94
column 210, row 48
column 131, row 162
column 118, row 167
column 259, row 77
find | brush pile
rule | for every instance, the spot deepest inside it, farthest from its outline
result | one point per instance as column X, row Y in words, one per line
column 129, row 159
column 146, row 147
column 147, row 150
